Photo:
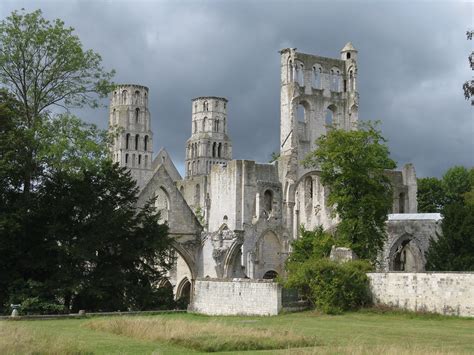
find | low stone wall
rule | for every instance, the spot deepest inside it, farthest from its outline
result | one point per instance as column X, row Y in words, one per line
column 236, row 297
column 447, row 293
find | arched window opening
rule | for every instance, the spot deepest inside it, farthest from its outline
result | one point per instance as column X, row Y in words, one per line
column 183, row 293
column 301, row 113
column 329, row 116
column 137, row 97
column 194, row 168
column 126, row 159
column 268, row 201
column 139, row 159
column 162, row 205
column 145, row 143
column 219, row 150
column 205, row 106
column 308, row 191
column 299, row 74
column 401, row 203
column 348, row 56
column 214, row 147
column 137, row 114
column 270, row 275
column 137, row 137
column 127, row 140
column 124, row 97
column 197, row 195
column 189, row 169
column 204, row 124
column 317, row 77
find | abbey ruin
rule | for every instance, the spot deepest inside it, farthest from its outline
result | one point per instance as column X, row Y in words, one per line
column 235, row 219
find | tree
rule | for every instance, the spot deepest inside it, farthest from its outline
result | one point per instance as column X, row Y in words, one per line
column 43, row 64
column 353, row 165
column 454, row 248
column 104, row 253
column 310, row 244
column 468, row 86
column 430, row 195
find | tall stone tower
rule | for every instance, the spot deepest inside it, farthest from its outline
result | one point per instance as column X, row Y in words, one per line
column 209, row 143
column 129, row 116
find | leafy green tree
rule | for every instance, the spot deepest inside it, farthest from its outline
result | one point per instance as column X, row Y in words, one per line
column 468, row 86
column 43, row 64
column 454, row 249
column 430, row 195
column 353, row 165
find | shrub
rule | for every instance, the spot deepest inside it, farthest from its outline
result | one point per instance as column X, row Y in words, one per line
column 332, row 287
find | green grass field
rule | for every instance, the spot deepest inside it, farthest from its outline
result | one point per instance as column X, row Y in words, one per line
column 352, row 333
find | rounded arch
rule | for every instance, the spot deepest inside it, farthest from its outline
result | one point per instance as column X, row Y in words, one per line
column 317, row 74
column 270, row 275
column 330, row 116
column 268, row 200
column 299, row 73
column 303, row 109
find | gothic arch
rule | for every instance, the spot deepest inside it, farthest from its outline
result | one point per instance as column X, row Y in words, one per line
column 269, row 247
column 187, row 257
column 231, row 257
column 405, row 255
column 184, row 289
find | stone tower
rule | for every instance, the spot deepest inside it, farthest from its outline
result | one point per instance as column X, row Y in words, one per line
column 129, row 116
column 209, row 143
column 317, row 93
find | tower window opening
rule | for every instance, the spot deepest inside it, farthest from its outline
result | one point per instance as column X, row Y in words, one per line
column 137, row 97
column 145, row 143
column 204, row 124
column 401, row 203
column 348, row 56
column 133, row 160
column 316, row 78
column 216, row 127
column 214, row 146
column 126, row 159
column 137, row 114
column 124, row 97
column 329, row 116
column 290, row 71
column 204, row 105
column 301, row 113
column 219, row 150
column 268, row 200
column 127, row 140
column 139, row 159
column 137, row 137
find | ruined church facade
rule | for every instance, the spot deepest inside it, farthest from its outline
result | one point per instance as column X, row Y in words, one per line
column 237, row 218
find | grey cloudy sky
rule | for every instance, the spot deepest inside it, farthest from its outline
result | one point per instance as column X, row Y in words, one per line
column 412, row 63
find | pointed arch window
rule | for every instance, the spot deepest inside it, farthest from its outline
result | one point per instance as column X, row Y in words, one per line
column 127, row 140
column 145, row 143
column 137, row 137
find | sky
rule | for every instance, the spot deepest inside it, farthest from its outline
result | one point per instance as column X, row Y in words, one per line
column 412, row 62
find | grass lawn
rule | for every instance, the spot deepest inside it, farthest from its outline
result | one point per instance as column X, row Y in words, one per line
column 352, row 333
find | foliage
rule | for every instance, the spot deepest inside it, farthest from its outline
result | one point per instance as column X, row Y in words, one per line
column 200, row 216
column 430, row 195
column 454, row 248
column 274, row 157
column 311, row 244
column 332, row 287
column 468, row 86
column 43, row 64
column 353, row 165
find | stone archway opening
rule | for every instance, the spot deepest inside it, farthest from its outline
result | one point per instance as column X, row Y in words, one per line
column 270, row 275
column 183, row 293
column 406, row 256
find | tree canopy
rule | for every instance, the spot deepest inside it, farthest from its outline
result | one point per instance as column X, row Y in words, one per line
column 353, row 165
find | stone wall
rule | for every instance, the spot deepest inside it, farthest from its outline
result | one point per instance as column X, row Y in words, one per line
column 448, row 293
column 236, row 297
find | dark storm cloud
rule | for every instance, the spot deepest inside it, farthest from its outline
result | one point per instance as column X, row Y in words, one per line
column 412, row 63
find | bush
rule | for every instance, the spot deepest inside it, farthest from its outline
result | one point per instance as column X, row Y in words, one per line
column 332, row 287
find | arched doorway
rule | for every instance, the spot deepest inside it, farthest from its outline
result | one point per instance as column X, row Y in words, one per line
column 406, row 256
